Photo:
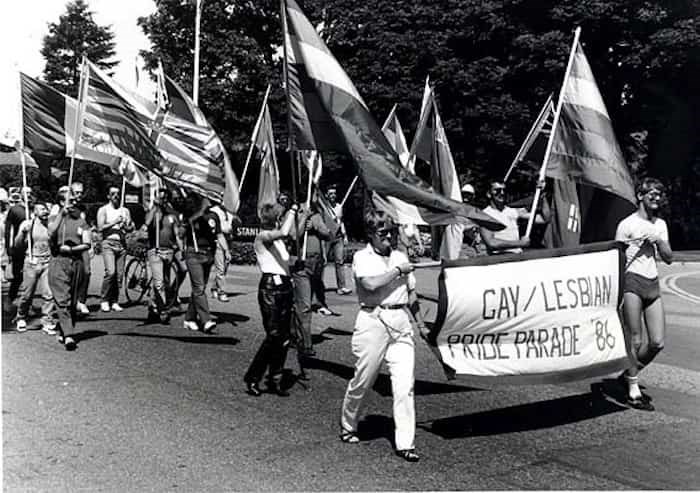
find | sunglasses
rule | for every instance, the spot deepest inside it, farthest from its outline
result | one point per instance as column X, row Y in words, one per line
column 498, row 191
column 654, row 194
column 384, row 233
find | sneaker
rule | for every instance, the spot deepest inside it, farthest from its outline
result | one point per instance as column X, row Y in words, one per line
column 344, row 291
column 116, row 307
column 209, row 326
column 104, row 306
column 223, row 297
column 325, row 311
column 190, row 325
column 82, row 308
column 21, row 325
column 50, row 329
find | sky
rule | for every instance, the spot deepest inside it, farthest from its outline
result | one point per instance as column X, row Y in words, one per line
column 23, row 25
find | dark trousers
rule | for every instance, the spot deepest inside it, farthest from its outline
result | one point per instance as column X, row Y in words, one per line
column 17, row 262
column 305, row 285
column 85, row 281
column 65, row 275
column 275, row 302
column 199, row 266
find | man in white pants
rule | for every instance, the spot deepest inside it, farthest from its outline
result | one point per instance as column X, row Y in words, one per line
column 384, row 331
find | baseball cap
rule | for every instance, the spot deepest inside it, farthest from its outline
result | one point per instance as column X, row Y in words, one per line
column 468, row 189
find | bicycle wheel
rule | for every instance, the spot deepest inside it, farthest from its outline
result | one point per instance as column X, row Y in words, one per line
column 136, row 280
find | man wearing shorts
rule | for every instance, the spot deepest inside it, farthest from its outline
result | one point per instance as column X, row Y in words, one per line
column 647, row 237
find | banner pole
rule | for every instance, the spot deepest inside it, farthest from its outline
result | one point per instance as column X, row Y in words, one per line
column 23, row 162
column 347, row 194
column 77, row 127
column 254, row 137
column 308, row 208
column 123, row 192
column 543, row 169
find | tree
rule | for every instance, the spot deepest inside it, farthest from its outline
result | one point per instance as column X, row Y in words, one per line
column 493, row 63
column 76, row 34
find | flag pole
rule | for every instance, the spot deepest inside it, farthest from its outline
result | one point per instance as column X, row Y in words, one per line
column 195, row 80
column 347, row 194
column 123, row 192
column 254, row 138
column 560, row 102
column 308, row 208
column 77, row 127
column 290, row 147
column 527, row 143
column 23, row 161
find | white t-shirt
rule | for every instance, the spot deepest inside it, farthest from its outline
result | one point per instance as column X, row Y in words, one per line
column 641, row 255
column 272, row 257
column 509, row 217
column 368, row 263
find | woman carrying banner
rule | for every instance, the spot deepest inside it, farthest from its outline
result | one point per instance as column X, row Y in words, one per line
column 384, row 332
column 647, row 236
column 274, row 297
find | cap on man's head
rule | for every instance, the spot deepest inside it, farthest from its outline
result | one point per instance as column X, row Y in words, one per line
column 468, row 189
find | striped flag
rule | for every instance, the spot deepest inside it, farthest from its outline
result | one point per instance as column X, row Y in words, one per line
column 194, row 154
column 533, row 147
column 112, row 116
column 314, row 164
column 343, row 115
column 394, row 133
column 48, row 121
column 269, row 182
column 594, row 188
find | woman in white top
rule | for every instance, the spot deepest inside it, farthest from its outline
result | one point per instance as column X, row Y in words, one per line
column 275, row 298
column 647, row 236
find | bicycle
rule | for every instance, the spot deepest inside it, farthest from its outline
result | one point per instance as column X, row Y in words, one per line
column 138, row 279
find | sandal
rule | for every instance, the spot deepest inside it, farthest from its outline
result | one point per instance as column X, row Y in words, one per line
column 409, row 455
column 349, row 437
column 640, row 404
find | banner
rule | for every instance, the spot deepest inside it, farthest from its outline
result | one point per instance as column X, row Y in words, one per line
column 538, row 317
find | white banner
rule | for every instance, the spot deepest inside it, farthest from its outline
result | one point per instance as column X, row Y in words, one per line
column 542, row 316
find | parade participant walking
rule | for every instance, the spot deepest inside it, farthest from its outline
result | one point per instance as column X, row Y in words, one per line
column 4, row 204
column 508, row 240
column 384, row 332
column 69, row 237
column 274, row 298
column 77, row 190
column 15, row 215
column 164, row 239
column 35, row 233
column 113, row 222
column 221, row 254
column 338, row 241
column 202, row 232
column 306, row 275
column 647, row 236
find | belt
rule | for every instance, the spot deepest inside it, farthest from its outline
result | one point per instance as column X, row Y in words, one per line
column 385, row 307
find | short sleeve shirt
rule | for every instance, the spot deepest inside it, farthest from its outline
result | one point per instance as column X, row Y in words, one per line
column 641, row 255
column 166, row 232
column 509, row 217
column 368, row 263
column 206, row 229
column 70, row 232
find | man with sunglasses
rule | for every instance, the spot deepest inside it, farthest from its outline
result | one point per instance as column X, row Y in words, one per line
column 508, row 240
column 384, row 332
column 113, row 222
column 647, row 236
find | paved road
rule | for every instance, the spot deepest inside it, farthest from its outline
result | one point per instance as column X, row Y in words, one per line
column 156, row 408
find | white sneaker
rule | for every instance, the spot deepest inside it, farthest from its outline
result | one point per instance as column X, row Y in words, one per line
column 188, row 324
column 50, row 329
column 82, row 308
column 104, row 306
column 116, row 307
column 209, row 326
column 21, row 325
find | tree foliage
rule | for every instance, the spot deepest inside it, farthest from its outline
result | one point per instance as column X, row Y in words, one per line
column 76, row 34
column 492, row 62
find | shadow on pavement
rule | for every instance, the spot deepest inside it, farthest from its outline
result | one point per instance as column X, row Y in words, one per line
column 87, row 335
column 383, row 384
column 202, row 339
column 337, row 332
column 375, row 426
column 525, row 417
column 232, row 318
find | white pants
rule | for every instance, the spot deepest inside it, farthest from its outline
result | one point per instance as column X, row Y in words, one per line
column 383, row 335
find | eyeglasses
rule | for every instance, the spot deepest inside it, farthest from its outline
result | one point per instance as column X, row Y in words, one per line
column 384, row 233
column 498, row 191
